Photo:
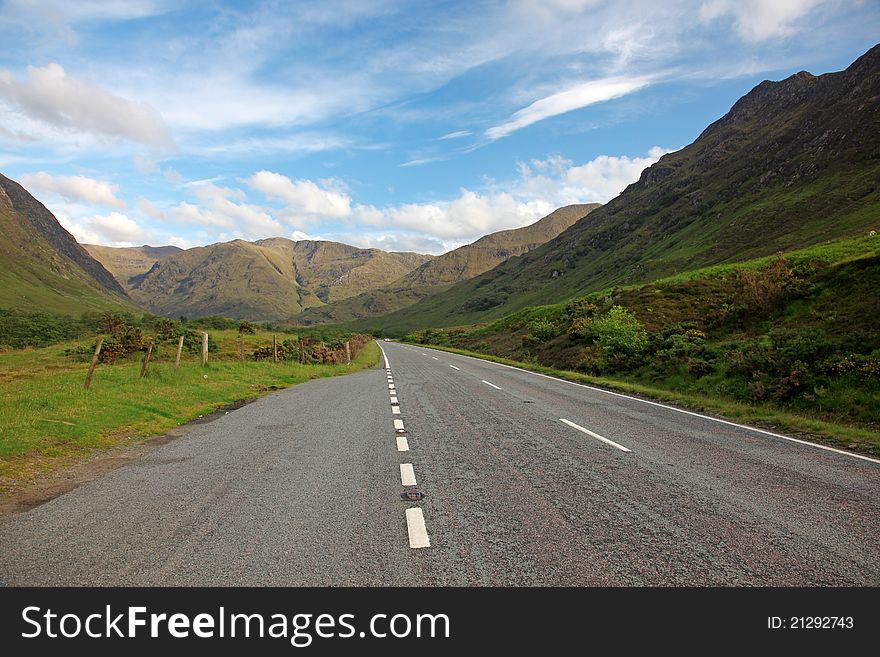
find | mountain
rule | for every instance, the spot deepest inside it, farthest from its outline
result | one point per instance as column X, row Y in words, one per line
column 268, row 279
column 42, row 267
column 443, row 271
column 793, row 163
column 126, row 263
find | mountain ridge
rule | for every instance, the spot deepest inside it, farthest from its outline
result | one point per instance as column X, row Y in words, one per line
column 462, row 263
column 793, row 163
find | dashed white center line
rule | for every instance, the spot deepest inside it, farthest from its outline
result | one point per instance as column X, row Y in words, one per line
column 407, row 476
column 402, row 444
column 490, row 384
column 391, row 386
column 435, row 358
column 455, row 368
column 394, row 400
column 594, row 435
column 395, row 410
column 415, row 527
column 398, row 424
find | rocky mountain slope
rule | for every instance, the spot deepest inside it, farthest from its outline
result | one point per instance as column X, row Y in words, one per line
column 269, row 279
column 42, row 267
column 127, row 262
column 458, row 265
column 793, row 163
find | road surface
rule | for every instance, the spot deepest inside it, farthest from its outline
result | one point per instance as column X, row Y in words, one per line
column 528, row 480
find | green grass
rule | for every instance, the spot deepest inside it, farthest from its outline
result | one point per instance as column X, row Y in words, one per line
column 47, row 419
column 816, row 428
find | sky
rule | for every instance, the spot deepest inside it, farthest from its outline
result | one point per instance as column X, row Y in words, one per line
column 406, row 126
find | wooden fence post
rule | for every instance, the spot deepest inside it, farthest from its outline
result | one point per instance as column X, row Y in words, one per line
column 348, row 352
column 179, row 350
column 204, row 349
column 94, row 362
column 274, row 349
column 302, row 352
column 241, row 346
column 147, row 359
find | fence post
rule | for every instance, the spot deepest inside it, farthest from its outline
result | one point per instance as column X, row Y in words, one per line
column 204, row 349
column 179, row 350
column 147, row 359
column 302, row 352
column 274, row 350
column 241, row 346
column 348, row 352
column 94, row 362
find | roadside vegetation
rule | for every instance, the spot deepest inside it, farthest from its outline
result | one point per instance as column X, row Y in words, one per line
column 48, row 419
column 792, row 339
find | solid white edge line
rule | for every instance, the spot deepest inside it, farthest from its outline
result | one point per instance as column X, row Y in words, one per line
column 384, row 355
column 398, row 424
column 407, row 475
column 455, row 368
column 595, row 435
column 415, row 528
column 680, row 410
column 490, row 384
column 402, row 444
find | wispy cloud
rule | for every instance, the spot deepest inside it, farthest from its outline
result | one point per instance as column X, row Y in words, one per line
column 458, row 134
column 759, row 20
column 575, row 97
column 52, row 96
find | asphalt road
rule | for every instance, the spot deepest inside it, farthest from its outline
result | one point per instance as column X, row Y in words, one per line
column 528, row 481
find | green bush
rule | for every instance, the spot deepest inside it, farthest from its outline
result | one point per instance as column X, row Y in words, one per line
column 618, row 332
column 541, row 330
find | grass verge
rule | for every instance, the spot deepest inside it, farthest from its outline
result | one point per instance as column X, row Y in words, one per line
column 818, row 430
column 47, row 419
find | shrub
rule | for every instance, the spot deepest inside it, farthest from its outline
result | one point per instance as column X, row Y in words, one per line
column 541, row 330
column 618, row 332
column 581, row 328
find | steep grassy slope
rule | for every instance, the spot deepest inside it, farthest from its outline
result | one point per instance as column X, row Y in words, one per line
column 127, row 262
column 41, row 265
column 458, row 265
column 797, row 332
column 268, row 279
column 793, row 163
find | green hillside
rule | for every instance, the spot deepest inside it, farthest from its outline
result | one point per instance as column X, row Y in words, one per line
column 796, row 332
column 793, row 163
column 42, row 268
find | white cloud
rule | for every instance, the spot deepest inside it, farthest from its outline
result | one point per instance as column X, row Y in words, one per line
column 575, row 97
column 74, row 188
column 458, row 134
column 149, row 166
column 224, row 208
column 114, row 229
column 302, row 196
column 759, row 20
column 430, row 227
column 596, row 181
column 51, row 96
column 149, row 209
column 57, row 17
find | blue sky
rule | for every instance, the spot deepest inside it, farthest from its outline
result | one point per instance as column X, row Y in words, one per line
column 400, row 125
